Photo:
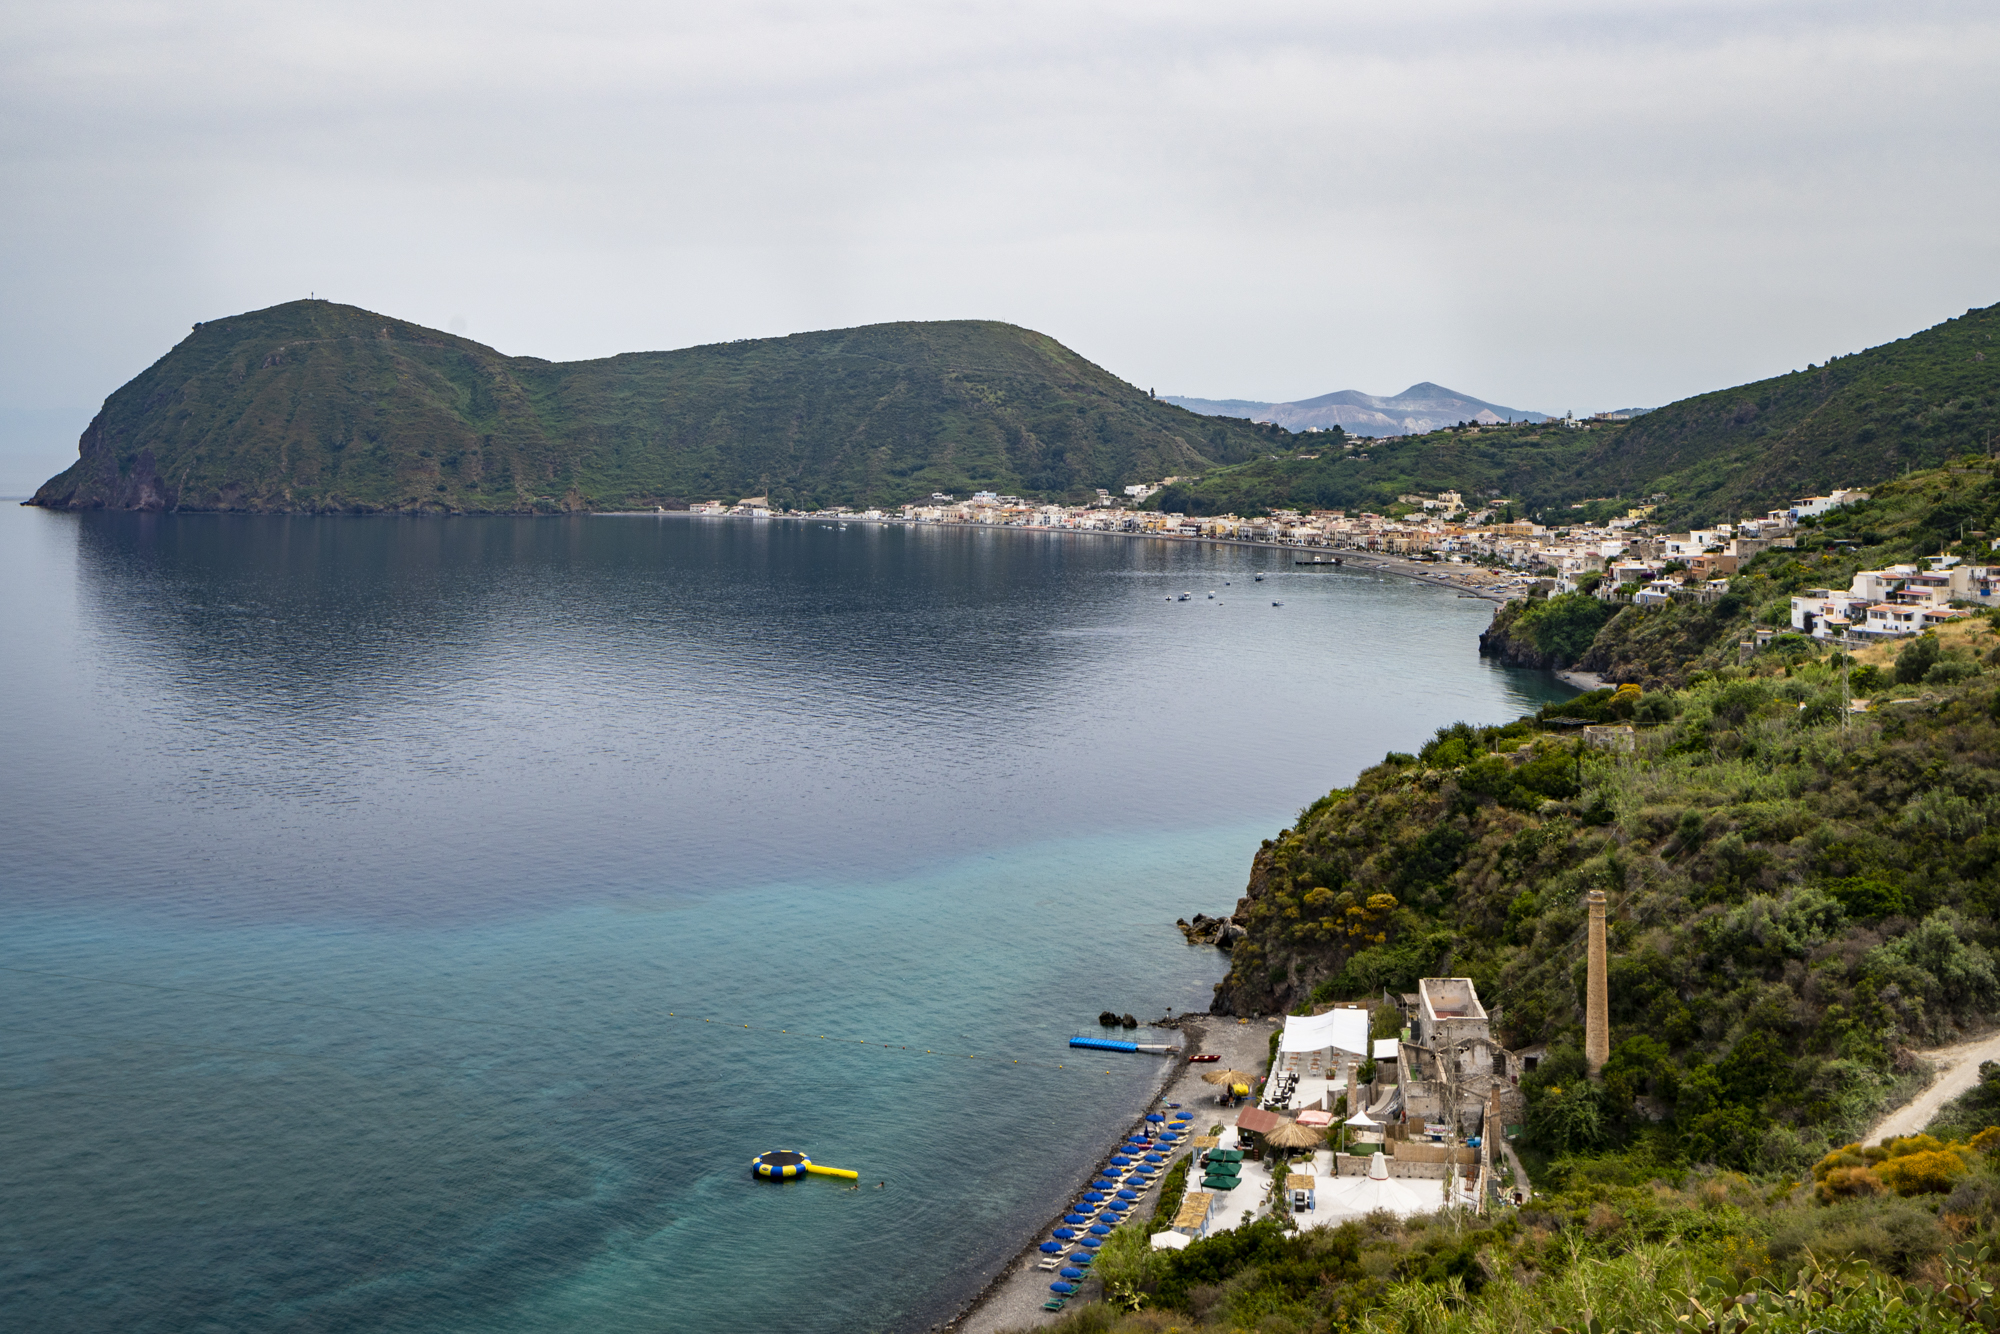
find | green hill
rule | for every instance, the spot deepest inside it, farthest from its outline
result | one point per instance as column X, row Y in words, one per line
column 314, row 406
column 1856, row 421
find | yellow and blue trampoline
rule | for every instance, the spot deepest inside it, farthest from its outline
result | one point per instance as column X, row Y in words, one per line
column 785, row 1164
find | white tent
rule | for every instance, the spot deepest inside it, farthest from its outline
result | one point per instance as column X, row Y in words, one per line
column 1336, row 1030
column 1353, row 1197
column 1171, row 1241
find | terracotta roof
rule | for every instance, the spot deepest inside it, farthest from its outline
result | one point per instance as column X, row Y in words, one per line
column 1258, row 1121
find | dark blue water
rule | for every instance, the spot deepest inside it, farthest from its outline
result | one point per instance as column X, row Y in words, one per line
column 418, row 925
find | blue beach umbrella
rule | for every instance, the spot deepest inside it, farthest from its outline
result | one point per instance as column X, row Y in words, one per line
column 1051, row 1247
column 1155, row 1158
column 1064, row 1232
column 1169, row 1136
column 1128, row 1194
column 1092, row 1242
column 1069, row 1271
column 1081, row 1258
column 1076, row 1218
column 1099, row 1230
column 1064, row 1288
column 1156, row 1116
column 1119, row 1205
column 1094, row 1196
column 1121, row 1160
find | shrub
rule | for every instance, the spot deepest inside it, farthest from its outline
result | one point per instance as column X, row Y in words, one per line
column 1917, row 658
column 1849, row 1182
column 1930, row 1172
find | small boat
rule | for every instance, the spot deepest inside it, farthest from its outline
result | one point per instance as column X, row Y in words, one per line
column 1184, row 597
column 1204, row 1058
column 1260, row 578
column 1277, row 604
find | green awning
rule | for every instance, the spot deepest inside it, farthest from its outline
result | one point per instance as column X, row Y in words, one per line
column 1221, row 1183
column 1225, row 1155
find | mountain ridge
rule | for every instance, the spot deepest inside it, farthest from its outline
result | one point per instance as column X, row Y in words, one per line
column 1424, row 406
column 314, row 406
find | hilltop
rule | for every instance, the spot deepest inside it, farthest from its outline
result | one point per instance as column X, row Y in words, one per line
column 315, row 406
column 1420, row 408
column 1855, row 421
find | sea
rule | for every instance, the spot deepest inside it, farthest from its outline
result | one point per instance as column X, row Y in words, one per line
column 420, row 924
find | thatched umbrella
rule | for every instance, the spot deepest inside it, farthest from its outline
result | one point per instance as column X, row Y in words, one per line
column 1228, row 1077
column 1292, row 1135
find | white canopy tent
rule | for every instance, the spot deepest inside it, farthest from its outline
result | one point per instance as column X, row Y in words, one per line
column 1336, row 1030
column 1354, row 1197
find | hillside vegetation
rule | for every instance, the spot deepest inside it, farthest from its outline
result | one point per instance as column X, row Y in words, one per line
column 317, row 406
column 1859, row 419
column 1800, row 898
column 1947, row 510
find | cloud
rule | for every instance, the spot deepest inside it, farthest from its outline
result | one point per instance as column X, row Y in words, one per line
column 1560, row 205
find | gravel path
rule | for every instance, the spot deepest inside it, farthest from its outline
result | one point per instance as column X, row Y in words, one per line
column 1013, row 1301
column 1958, row 1070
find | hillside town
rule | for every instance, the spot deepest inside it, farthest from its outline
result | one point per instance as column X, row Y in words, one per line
column 1625, row 560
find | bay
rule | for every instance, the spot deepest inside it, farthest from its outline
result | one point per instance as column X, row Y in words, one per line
column 418, row 924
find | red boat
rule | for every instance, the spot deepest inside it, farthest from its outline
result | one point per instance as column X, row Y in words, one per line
column 1204, row 1058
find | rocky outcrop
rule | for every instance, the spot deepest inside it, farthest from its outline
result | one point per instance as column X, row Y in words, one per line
column 1221, row 932
column 1499, row 640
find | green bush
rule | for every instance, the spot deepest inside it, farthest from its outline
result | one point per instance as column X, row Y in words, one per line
column 1917, row 658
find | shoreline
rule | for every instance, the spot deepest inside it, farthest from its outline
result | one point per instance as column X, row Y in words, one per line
column 1012, row 1298
column 1011, row 1267
column 1410, row 569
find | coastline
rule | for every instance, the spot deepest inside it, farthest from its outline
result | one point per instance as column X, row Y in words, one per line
column 1012, row 1298
column 1410, row 569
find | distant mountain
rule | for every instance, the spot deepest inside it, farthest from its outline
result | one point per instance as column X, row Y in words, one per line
column 1915, row 403
column 1421, row 407
column 314, row 406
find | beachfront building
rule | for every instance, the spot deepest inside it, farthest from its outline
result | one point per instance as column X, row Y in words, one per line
column 1318, row 1056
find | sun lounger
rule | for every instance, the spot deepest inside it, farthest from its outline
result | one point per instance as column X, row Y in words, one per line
column 1055, row 1303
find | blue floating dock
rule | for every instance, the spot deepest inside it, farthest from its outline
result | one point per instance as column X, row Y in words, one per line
column 1103, row 1044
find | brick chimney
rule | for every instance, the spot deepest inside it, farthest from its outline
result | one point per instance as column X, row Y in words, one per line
column 1597, row 1002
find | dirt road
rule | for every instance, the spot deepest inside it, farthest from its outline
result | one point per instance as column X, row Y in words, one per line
column 1958, row 1070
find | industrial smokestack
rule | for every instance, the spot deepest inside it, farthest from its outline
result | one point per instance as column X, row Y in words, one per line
column 1597, row 1000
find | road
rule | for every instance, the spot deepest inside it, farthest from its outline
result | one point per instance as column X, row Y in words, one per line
column 1958, row 1070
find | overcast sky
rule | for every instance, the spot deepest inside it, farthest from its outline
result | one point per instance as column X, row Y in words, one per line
column 1553, row 206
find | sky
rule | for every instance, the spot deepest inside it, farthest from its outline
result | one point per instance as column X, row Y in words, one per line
column 1552, row 205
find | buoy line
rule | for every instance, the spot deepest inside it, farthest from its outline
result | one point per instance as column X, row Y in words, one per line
column 1001, row 1059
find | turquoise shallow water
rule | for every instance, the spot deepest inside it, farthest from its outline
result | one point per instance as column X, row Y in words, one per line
column 385, row 901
